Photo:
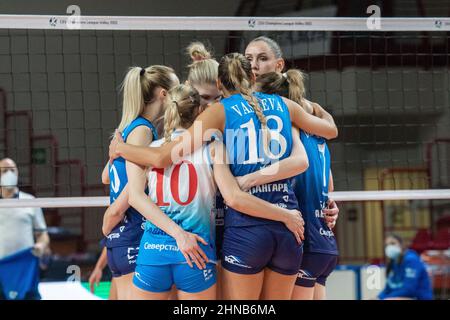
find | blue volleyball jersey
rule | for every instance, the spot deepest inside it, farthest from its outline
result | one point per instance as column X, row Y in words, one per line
column 311, row 190
column 129, row 230
column 244, row 143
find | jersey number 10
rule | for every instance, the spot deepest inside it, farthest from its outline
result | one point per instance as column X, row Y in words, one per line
column 175, row 184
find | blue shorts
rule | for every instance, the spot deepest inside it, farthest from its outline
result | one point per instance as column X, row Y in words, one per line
column 315, row 268
column 250, row 249
column 161, row 278
column 219, row 240
column 122, row 260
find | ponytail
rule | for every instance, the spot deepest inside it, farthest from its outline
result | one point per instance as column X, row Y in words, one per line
column 181, row 109
column 138, row 87
column 203, row 69
column 296, row 86
column 289, row 84
column 235, row 73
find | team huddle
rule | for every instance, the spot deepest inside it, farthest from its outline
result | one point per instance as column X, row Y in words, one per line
column 219, row 186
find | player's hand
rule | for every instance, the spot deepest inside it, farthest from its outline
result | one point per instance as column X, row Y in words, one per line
column 187, row 242
column 244, row 182
column 113, row 154
column 331, row 213
column 39, row 249
column 95, row 278
column 295, row 223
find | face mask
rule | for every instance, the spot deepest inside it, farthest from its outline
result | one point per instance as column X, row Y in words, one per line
column 392, row 251
column 9, row 179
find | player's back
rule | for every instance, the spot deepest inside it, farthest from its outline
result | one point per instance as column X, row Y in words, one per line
column 185, row 191
column 311, row 190
column 244, row 142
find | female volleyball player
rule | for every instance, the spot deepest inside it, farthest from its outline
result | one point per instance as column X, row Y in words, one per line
column 239, row 111
column 203, row 73
column 144, row 91
column 311, row 189
column 265, row 56
column 160, row 263
column 202, row 76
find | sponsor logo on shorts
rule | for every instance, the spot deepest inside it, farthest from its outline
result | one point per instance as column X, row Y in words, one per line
column 138, row 277
column 303, row 274
column 132, row 257
column 112, row 236
column 160, row 247
column 326, row 233
column 122, row 228
column 207, row 274
column 13, row 294
column 234, row 260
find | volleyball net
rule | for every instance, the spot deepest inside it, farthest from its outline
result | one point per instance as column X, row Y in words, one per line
column 386, row 82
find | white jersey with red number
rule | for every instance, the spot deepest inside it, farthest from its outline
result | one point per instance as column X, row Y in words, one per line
column 185, row 191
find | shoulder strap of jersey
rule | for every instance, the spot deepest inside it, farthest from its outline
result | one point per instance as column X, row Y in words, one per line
column 139, row 121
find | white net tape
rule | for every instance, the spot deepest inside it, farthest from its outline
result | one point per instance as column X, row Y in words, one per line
column 343, row 196
column 222, row 23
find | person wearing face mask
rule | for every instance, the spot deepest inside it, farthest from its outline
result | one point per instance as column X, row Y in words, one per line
column 23, row 240
column 406, row 274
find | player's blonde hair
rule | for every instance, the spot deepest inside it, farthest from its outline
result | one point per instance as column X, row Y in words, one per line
column 235, row 74
column 138, row 89
column 203, row 69
column 290, row 84
column 182, row 106
column 273, row 45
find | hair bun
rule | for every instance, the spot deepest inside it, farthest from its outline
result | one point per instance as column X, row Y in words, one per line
column 198, row 52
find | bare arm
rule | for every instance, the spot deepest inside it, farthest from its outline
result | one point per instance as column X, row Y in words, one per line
column 102, row 261
column 291, row 166
column 244, row 202
column 105, row 174
column 136, row 188
column 186, row 241
column 322, row 125
column 115, row 212
column 96, row 274
column 331, row 182
column 42, row 244
column 332, row 210
column 142, row 202
column 212, row 119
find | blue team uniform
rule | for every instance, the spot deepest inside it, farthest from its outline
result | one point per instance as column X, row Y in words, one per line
column 19, row 276
column 219, row 214
column 408, row 279
column 186, row 193
column 311, row 189
column 123, row 241
column 250, row 244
